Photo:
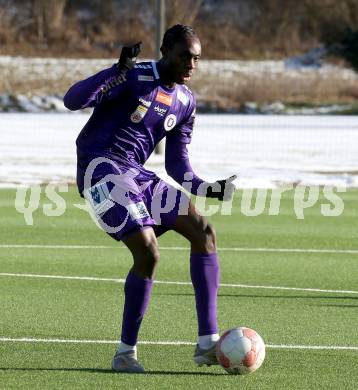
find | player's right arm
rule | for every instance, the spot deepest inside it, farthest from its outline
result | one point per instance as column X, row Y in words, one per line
column 93, row 90
column 105, row 85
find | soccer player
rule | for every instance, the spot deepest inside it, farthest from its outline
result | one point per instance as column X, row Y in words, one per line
column 135, row 107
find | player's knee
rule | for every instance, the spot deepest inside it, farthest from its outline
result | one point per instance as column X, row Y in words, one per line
column 152, row 254
column 210, row 241
column 207, row 239
column 146, row 260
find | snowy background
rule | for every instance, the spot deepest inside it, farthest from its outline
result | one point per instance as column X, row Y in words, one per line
column 264, row 150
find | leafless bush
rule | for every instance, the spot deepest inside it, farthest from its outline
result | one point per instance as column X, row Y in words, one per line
column 214, row 84
column 232, row 93
column 182, row 11
column 228, row 28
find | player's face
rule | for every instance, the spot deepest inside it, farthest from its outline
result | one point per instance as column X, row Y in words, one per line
column 183, row 58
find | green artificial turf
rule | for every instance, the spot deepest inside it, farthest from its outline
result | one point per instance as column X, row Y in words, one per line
column 83, row 309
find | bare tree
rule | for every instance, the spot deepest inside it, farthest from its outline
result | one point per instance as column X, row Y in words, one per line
column 48, row 18
column 182, row 11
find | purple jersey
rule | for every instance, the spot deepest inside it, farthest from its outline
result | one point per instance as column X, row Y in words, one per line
column 131, row 115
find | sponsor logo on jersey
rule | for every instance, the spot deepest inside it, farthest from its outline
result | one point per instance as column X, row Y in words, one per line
column 159, row 110
column 108, row 85
column 170, row 122
column 146, row 103
column 183, row 98
column 142, row 77
column 164, row 98
column 137, row 210
column 139, row 114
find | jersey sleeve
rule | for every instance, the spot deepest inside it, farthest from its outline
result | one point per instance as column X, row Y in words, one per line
column 105, row 85
column 177, row 162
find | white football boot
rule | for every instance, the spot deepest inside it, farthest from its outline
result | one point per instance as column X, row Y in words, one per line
column 205, row 356
column 127, row 362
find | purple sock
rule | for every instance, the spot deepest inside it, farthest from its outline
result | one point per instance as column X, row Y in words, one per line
column 137, row 295
column 204, row 270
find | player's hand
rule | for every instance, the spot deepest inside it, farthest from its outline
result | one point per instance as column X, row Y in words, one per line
column 222, row 189
column 129, row 56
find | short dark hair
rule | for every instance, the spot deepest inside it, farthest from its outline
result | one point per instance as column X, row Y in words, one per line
column 176, row 34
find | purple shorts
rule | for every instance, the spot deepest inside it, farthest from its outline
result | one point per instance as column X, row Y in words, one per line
column 125, row 199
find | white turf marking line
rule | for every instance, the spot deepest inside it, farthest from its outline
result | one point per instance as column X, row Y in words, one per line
column 73, row 341
column 180, row 248
column 96, row 279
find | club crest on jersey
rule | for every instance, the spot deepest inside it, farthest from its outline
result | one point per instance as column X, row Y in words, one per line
column 139, row 114
column 170, row 122
column 146, row 103
column 164, row 98
column 159, row 110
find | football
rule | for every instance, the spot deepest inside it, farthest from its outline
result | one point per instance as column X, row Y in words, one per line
column 240, row 350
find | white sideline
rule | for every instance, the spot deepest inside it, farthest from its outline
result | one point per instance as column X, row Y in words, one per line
column 180, row 248
column 74, row 341
column 97, row 279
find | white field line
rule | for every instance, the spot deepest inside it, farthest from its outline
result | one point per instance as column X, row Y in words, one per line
column 97, row 279
column 74, row 341
column 180, row 248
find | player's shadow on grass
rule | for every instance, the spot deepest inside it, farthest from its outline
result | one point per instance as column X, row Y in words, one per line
column 266, row 296
column 287, row 296
column 109, row 371
column 196, row 373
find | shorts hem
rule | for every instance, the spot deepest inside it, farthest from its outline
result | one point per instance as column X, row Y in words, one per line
column 128, row 233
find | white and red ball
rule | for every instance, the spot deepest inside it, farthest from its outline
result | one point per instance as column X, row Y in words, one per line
column 240, row 350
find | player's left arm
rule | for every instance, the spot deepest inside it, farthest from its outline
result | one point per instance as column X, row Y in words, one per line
column 178, row 166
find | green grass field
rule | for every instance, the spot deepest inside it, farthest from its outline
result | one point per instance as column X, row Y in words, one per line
column 49, row 309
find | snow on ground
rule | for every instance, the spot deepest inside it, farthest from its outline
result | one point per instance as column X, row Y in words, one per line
column 265, row 151
column 35, row 75
column 34, row 68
